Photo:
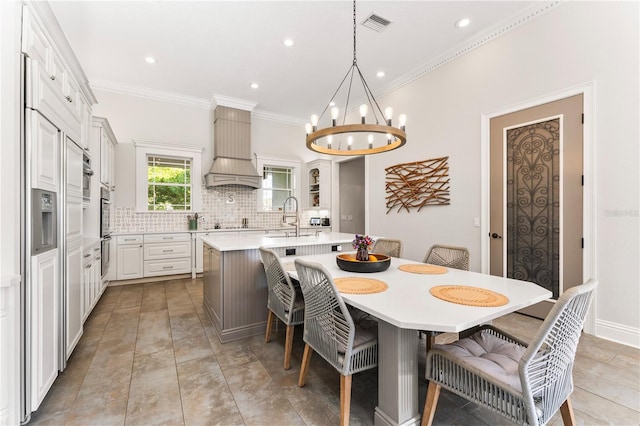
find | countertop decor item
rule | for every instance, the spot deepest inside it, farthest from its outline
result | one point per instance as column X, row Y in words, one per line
column 376, row 263
column 355, row 139
column 193, row 221
column 362, row 243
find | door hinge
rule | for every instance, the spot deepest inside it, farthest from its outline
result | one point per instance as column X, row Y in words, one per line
column 581, row 242
column 582, row 118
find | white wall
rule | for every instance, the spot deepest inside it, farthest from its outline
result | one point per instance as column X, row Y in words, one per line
column 574, row 43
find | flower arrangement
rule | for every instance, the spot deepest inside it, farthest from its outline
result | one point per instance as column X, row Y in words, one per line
column 361, row 243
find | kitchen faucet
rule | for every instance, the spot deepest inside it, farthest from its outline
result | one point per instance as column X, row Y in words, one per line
column 285, row 215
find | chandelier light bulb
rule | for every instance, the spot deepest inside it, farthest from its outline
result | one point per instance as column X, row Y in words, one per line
column 335, row 111
column 329, row 140
column 389, row 139
column 363, row 112
column 402, row 121
column 314, row 122
column 349, row 142
column 307, row 128
column 388, row 114
column 370, row 139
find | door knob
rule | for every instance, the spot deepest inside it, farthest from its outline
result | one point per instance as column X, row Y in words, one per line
column 495, row 236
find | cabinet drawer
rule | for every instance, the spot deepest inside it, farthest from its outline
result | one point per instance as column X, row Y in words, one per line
column 154, row 268
column 129, row 239
column 163, row 238
column 168, row 250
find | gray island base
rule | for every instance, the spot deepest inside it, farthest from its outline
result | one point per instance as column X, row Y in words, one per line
column 234, row 283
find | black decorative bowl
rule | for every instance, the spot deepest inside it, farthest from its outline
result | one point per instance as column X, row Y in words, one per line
column 348, row 262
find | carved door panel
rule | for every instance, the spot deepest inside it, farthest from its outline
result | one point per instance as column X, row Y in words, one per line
column 536, row 197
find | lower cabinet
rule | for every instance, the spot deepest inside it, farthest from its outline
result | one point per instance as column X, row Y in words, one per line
column 167, row 254
column 92, row 284
column 129, row 257
column 73, row 293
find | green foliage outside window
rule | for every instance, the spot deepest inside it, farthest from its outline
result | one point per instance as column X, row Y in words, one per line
column 168, row 183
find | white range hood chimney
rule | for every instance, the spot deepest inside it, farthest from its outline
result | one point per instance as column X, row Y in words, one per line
column 232, row 163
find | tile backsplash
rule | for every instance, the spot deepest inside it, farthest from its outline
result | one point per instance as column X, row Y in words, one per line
column 225, row 205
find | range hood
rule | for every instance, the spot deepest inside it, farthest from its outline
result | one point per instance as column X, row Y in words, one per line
column 232, row 150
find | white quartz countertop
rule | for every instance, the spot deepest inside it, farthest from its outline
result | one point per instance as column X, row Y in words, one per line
column 225, row 230
column 252, row 242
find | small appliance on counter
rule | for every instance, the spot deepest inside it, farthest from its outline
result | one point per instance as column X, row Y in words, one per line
column 314, row 221
column 325, row 221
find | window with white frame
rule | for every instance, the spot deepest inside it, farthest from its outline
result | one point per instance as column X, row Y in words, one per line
column 279, row 181
column 168, row 178
column 168, row 183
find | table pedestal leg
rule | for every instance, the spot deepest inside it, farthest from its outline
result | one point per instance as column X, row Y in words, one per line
column 397, row 376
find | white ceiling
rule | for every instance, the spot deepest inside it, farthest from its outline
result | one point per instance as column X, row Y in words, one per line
column 204, row 48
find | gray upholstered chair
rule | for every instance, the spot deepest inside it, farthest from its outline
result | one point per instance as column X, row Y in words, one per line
column 284, row 300
column 387, row 246
column 449, row 256
column 525, row 383
column 330, row 331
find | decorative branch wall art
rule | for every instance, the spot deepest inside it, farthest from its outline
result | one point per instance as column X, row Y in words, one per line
column 417, row 184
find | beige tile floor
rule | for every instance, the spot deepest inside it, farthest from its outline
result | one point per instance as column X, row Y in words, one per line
column 149, row 356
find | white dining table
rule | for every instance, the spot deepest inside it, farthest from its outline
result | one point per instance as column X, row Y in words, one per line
column 407, row 306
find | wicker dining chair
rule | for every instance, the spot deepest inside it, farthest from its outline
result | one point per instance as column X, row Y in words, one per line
column 283, row 300
column 527, row 384
column 330, row 331
column 450, row 256
column 387, row 246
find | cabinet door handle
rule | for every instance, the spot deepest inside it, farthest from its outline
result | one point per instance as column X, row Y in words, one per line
column 52, row 77
column 88, row 266
column 167, row 267
column 87, row 255
column 69, row 98
column 167, row 251
column 167, row 238
column 96, row 249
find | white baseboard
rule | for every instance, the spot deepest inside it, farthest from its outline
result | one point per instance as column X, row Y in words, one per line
column 618, row 333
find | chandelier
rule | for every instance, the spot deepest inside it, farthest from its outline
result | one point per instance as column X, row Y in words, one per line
column 361, row 138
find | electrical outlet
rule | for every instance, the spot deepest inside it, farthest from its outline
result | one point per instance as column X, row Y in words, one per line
column 290, row 252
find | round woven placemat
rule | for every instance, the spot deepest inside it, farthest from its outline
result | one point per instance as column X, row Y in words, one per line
column 423, row 268
column 289, row 266
column 357, row 285
column 472, row 296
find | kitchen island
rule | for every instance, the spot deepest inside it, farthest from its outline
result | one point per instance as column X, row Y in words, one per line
column 234, row 283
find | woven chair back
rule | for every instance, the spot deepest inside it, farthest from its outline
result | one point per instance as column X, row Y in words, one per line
column 387, row 246
column 328, row 326
column 546, row 367
column 281, row 293
column 449, row 256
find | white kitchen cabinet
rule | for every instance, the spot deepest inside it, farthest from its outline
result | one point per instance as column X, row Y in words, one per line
column 50, row 87
column 129, row 257
column 198, row 246
column 166, row 254
column 319, row 185
column 44, row 317
column 45, row 157
column 92, row 287
column 101, row 131
column 73, row 170
column 73, row 293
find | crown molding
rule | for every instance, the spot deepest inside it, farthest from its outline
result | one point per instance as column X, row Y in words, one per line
column 150, row 94
column 270, row 116
column 230, row 102
column 492, row 33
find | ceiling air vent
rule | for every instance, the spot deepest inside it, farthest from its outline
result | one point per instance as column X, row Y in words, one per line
column 376, row 22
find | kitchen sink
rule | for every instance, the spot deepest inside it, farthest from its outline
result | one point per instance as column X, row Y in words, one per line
column 287, row 236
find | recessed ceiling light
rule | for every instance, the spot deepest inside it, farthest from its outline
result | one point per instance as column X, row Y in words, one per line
column 287, row 42
column 461, row 23
column 150, row 60
column 380, row 74
column 254, row 85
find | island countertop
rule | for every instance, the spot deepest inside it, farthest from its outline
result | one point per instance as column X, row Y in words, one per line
column 252, row 242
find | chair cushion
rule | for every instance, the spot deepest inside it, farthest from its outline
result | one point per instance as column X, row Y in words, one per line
column 362, row 337
column 490, row 354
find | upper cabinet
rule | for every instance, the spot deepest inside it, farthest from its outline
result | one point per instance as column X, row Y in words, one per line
column 101, row 132
column 55, row 84
column 319, row 184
